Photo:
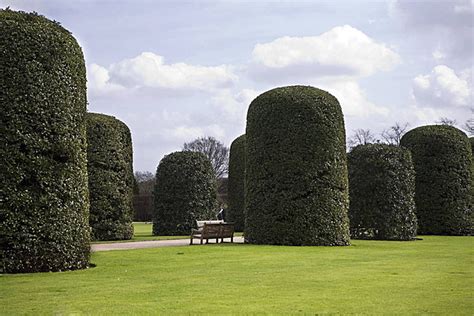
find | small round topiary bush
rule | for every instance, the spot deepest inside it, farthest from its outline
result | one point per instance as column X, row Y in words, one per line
column 44, row 222
column 237, row 183
column 296, row 171
column 185, row 191
column 382, row 193
column 444, row 179
column 110, row 168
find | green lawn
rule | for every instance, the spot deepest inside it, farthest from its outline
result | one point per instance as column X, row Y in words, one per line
column 143, row 231
column 429, row 276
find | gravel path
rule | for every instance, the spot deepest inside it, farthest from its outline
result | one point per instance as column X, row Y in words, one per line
column 152, row 244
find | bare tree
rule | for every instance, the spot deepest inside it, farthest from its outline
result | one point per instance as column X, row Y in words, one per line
column 469, row 125
column 394, row 134
column 217, row 153
column 446, row 121
column 145, row 181
column 361, row 137
column 142, row 176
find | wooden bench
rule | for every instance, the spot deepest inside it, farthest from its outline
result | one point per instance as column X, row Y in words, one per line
column 212, row 229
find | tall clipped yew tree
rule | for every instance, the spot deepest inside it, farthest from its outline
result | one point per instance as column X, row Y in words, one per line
column 444, row 178
column 296, row 170
column 110, row 168
column 185, row 191
column 44, row 223
column 237, row 183
column 382, row 193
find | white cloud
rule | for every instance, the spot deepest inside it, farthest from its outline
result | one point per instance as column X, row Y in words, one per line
column 232, row 106
column 98, row 80
column 343, row 50
column 186, row 133
column 352, row 98
column 149, row 70
column 442, row 88
column 438, row 55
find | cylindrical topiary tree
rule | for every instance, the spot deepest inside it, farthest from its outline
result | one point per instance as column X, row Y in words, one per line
column 296, row 170
column 443, row 165
column 44, row 222
column 110, row 168
column 237, row 183
column 185, row 191
column 382, row 193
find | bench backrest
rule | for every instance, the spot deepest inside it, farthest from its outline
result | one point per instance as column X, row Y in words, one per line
column 212, row 230
column 200, row 224
column 227, row 230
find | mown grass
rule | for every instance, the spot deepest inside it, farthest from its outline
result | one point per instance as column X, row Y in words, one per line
column 429, row 276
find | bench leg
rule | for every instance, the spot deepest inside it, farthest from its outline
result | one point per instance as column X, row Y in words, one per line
column 201, row 240
column 191, row 241
column 232, row 239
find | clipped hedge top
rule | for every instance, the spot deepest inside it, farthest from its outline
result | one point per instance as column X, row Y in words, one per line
column 286, row 122
column 435, row 132
column 107, row 135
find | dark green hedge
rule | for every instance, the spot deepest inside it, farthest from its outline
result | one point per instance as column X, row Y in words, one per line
column 111, row 181
column 236, row 189
column 296, row 177
column 382, row 193
column 443, row 165
column 185, row 191
column 44, row 222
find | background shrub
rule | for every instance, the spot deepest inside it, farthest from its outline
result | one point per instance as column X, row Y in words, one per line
column 237, row 183
column 382, row 193
column 296, row 177
column 44, row 224
column 443, row 165
column 110, row 167
column 185, row 191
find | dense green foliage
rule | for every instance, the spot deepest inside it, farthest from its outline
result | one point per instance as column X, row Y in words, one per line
column 237, row 183
column 432, row 276
column 111, row 180
column 444, row 179
column 185, row 191
column 296, row 176
column 44, row 224
column 382, row 193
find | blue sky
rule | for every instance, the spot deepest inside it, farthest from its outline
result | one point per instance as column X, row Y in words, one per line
column 177, row 70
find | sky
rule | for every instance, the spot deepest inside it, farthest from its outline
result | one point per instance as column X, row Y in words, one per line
column 174, row 71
